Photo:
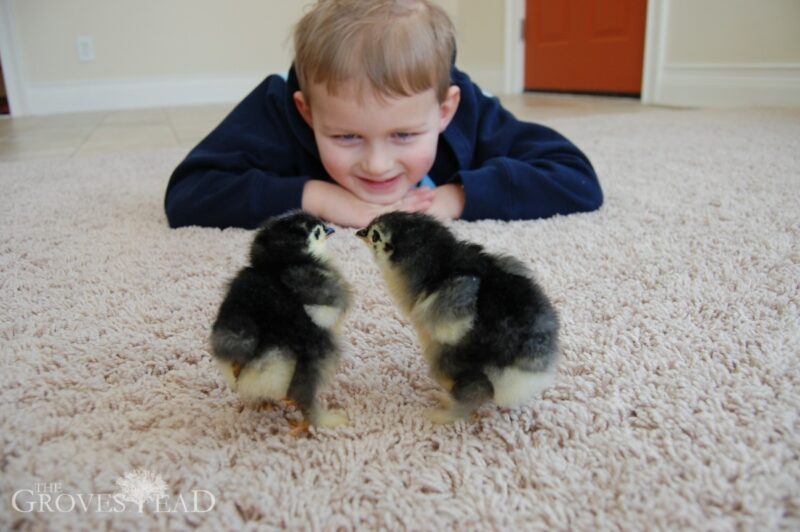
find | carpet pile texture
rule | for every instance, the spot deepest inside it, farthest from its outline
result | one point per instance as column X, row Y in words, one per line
column 675, row 407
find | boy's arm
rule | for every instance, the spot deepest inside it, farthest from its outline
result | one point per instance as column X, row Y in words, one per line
column 337, row 205
column 522, row 170
column 448, row 202
column 219, row 197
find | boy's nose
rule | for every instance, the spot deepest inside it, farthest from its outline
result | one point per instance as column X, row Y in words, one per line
column 377, row 162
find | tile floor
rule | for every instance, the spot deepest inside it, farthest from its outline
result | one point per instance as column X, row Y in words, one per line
column 75, row 135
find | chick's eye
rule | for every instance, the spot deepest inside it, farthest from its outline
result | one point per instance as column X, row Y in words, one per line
column 317, row 233
column 376, row 236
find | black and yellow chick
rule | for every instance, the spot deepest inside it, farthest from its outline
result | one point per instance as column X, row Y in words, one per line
column 486, row 328
column 275, row 336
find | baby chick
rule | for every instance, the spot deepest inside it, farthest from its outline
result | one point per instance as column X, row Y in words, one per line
column 486, row 328
column 275, row 336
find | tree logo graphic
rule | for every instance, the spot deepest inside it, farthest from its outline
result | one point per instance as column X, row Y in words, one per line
column 140, row 485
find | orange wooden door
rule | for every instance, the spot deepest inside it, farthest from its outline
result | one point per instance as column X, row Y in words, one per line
column 585, row 45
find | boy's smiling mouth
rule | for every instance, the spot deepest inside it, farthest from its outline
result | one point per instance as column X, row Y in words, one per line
column 380, row 186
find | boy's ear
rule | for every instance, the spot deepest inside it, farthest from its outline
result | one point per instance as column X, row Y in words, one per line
column 303, row 108
column 449, row 107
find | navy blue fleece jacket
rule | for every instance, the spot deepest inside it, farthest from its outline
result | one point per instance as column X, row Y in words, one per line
column 254, row 164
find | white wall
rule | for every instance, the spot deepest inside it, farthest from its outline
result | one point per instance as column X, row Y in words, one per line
column 174, row 52
column 480, row 27
column 723, row 53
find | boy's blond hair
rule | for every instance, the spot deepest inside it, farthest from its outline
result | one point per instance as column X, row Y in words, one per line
column 394, row 47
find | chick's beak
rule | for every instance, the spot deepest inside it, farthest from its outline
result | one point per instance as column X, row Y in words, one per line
column 329, row 231
column 362, row 233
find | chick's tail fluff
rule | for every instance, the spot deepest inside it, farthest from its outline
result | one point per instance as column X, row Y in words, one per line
column 235, row 339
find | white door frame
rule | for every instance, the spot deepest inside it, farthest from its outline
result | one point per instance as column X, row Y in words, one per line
column 514, row 56
column 11, row 59
column 655, row 48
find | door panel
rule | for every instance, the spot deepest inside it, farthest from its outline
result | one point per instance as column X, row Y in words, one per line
column 585, row 45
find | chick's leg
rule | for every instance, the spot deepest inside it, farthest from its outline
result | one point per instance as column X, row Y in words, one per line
column 316, row 416
column 299, row 428
column 303, row 391
column 320, row 416
column 470, row 389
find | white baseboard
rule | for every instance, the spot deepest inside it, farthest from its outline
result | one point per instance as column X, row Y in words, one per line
column 686, row 85
column 81, row 96
column 727, row 85
column 73, row 97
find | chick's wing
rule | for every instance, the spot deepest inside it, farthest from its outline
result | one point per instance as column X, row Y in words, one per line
column 448, row 312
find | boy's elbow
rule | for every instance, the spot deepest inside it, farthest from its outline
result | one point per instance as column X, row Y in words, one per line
column 578, row 185
column 177, row 213
column 576, row 188
column 591, row 197
column 594, row 200
column 174, row 218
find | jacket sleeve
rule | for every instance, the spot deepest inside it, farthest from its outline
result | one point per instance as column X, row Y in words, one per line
column 241, row 173
column 522, row 170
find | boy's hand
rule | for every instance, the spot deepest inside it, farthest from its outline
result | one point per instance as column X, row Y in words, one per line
column 448, row 202
column 339, row 206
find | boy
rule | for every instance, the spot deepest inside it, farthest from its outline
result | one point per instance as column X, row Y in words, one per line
column 373, row 107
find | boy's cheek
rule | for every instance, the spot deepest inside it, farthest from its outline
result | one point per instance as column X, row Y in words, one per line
column 423, row 164
column 334, row 163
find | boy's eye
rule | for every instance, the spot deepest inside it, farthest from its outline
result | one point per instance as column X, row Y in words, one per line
column 346, row 138
column 404, row 136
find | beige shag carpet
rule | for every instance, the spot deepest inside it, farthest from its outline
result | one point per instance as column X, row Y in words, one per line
column 676, row 405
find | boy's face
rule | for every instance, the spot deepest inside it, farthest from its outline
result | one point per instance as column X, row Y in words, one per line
column 377, row 149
